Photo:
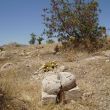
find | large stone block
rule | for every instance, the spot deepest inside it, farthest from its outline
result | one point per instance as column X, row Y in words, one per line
column 68, row 80
column 51, row 84
column 55, row 85
column 48, row 99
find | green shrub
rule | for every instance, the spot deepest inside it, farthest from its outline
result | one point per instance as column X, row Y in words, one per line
column 50, row 41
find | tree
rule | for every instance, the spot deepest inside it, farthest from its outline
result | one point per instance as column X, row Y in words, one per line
column 33, row 39
column 77, row 19
column 40, row 39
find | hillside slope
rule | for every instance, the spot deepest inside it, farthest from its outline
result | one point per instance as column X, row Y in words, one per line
column 20, row 81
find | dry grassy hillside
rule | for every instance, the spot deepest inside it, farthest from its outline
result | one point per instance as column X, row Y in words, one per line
column 20, row 83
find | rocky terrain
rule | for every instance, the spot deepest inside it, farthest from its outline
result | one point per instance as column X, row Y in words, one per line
column 20, row 78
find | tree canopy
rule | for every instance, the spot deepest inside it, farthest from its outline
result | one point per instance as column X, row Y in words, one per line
column 72, row 18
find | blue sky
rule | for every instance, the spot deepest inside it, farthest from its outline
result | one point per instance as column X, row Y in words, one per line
column 19, row 18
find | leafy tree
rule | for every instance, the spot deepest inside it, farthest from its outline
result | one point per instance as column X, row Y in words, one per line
column 40, row 39
column 77, row 19
column 33, row 39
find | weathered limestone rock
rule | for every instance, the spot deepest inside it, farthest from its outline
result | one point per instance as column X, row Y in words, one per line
column 48, row 99
column 7, row 66
column 106, row 53
column 54, row 85
column 3, row 53
column 51, row 84
column 68, row 80
column 73, row 94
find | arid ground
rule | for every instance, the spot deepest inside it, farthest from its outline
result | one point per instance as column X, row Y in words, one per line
column 20, row 81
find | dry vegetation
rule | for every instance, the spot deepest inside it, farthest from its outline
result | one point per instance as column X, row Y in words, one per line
column 20, row 89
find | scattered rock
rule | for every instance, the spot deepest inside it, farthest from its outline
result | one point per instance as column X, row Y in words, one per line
column 22, row 53
column 7, row 66
column 94, row 58
column 15, row 52
column 108, row 60
column 3, row 53
column 86, row 95
column 106, row 53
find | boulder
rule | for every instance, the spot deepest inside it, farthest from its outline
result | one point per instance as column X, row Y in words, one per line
column 68, row 80
column 51, row 84
column 3, row 53
column 7, row 66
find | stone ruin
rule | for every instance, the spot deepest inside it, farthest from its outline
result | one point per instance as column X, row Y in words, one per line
column 54, row 87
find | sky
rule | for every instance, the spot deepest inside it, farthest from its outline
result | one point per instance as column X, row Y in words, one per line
column 19, row 18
